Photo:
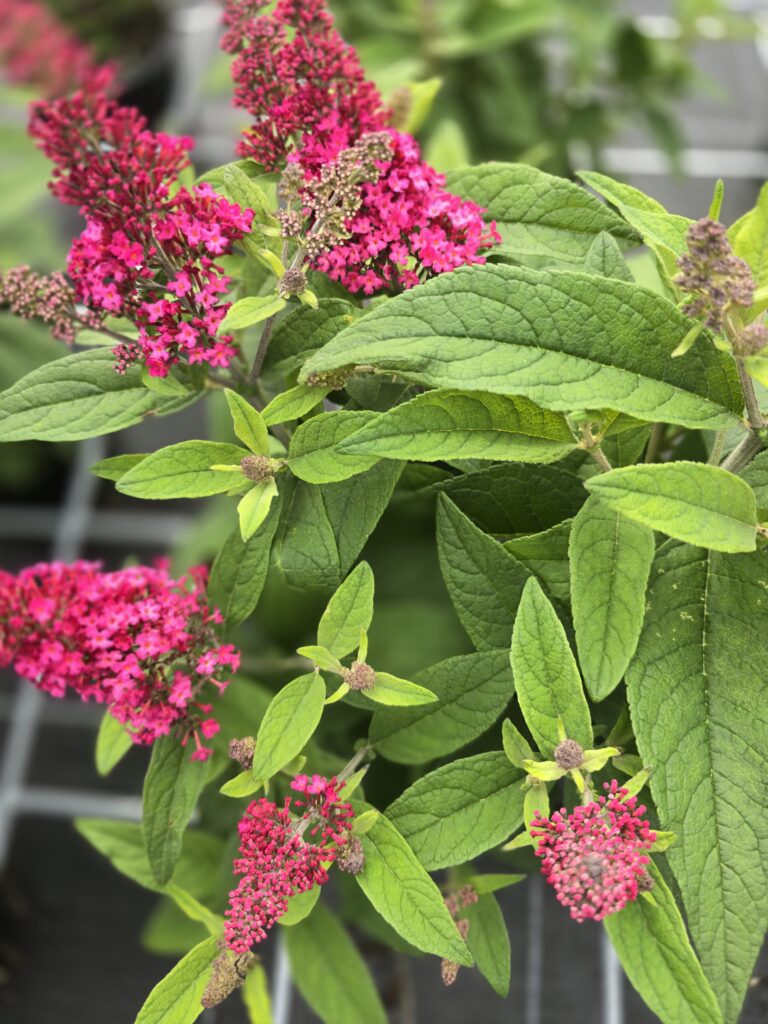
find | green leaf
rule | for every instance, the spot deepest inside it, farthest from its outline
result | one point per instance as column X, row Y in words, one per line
column 610, row 557
column 355, row 506
column 349, row 611
column 756, row 475
column 171, row 787
column 472, row 691
column 300, row 906
column 112, row 744
column 661, row 231
column 488, row 942
column 240, row 571
column 293, row 404
column 184, row 471
column 253, row 508
column 516, row 499
column 301, row 331
column 321, row 657
column 483, row 884
column 389, row 689
column 406, row 897
column 443, row 425
column 537, row 214
column 484, row 581
column 250, row 428
column 516, row 746
column 697, row 696
column 314, row 454
column 241, row 785
column 459, row 811
column 288, row 725
column 305, row 548
column 255, row 993
column 749, row 238
column 689, row 501
column 605, row 258
column 76, row 397
column 176, row 999
column 546, row 677
column 117, row 466
column 330, row 973
column 240, row 188
column 567, row 340
column 652, row 944
column 249, row 311
column 545, row 556
column 195, row 910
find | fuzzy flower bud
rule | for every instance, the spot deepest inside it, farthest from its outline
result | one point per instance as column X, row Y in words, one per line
column 333, row 379
column 359, row 676
column 242, row 751
column 293, row 282
column 751, row 340
column 350, row 857
column 257, row 468
column 46, row 297
column 569, row 755
column 716, row 278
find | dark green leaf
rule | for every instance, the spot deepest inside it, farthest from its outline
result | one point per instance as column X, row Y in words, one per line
column 488, row 942
column 240, row 571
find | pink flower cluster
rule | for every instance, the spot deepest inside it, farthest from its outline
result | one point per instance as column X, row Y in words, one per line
column 595, row 857
column 276, row 861
column 37, row 50
column 136, row 640
column 307, row 91
column 149, row 249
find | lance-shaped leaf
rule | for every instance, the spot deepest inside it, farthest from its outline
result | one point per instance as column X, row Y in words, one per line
column 253, row 508
column 288, row 725
column 547, row 679
column 488, row 942
column 115, row 467
column 249, row 311
column 184, row 471
column 330, row 973
column 696, row 689
column 176, row 999
column 537, row 214
column 545, row 556
column 472, row 691
column 112, row 743
column 349, row 611
column 749, row 238
column 396, row 692
column 690, row 501
column 293, row 404
column 255, row 993
column 442, row 425
column 249, row 425
column 401, row 891
column 484, row 581
column 79, row 396
column 653, row 946
column 314, row 454
column 240, row 571
column 610, row 558
column 171, row 787
column 567, row 340
column 461, row 810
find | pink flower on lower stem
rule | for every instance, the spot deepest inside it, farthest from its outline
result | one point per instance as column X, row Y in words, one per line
column 136, row 640
column 596, row 856
column 282, row 855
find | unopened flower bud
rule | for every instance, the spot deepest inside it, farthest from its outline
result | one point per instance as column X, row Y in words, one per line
column 468, row 895
column 350, row 857
column 449, row 971
column 257, row 468
column 645, row 882
column 227, row 975
column 360, row 676
column 242, row 751
column 569, row 755
column 751, row 340
column 293, row 282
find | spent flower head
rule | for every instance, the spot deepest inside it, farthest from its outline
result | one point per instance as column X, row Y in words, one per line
column 714, row 276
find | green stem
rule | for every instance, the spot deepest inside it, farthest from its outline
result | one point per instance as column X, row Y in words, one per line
column 654, row 441
column 750, row 398
column 717, row 448
column 743, row 453
column 263, row 348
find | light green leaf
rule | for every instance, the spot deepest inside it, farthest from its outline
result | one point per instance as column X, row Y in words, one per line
column 461, row 810
column 321, row 657
column 567, row 340
column 389, row 689
column 241, row 785
column 117, row 466
column 756, row 475
column 300, row 906
column 547, row 680
column 253, row 508
column 112, row 744
column 610, row 557
column 662, row 232
column 240, row 571
column 293, row 404
column 330, row 973
column 406, row 897
column 194, row 909
column 472, row 691
column 605, row 258
column 483, row 884
column 249, row 311
column 314, row 454
column 250, row 428
column 749, row 238
column 240, row 188
column 255, row 993
column 689, row 501
column 484, row 581
column 516, row 746
column 288, row 725
column 537, row 214
column 176, row 999
column 76, row 397
column 349, row 611
column 171, row 787
column 184, row 471
column 488, row 942
column 697, row 696
column 441, row 425
column 652, row 944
